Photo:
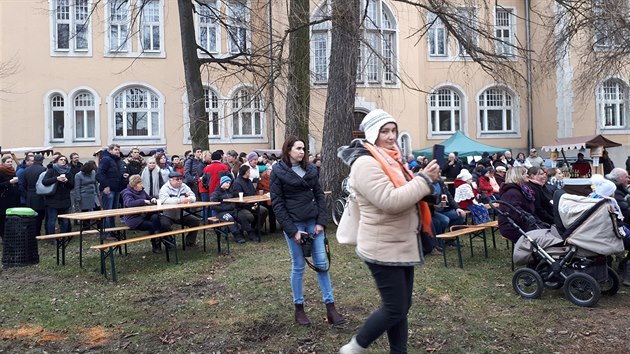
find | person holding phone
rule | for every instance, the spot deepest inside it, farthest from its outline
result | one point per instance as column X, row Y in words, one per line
column 60, row 201
column 135, row 196
column 298, row 201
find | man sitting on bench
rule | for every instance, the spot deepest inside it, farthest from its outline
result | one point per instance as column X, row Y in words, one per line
column 176, row 192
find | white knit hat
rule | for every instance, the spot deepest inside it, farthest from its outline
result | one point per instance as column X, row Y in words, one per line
column 603, row 186
column 464, row 175
column 373, row 122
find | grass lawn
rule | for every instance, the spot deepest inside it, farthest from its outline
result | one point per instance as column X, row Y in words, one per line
column 241, row 303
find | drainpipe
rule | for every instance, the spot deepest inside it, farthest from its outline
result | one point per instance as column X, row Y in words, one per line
column 272, row 118
column 528, row 47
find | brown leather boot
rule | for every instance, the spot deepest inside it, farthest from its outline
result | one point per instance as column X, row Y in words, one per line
column 332, row 315
column 300, row 315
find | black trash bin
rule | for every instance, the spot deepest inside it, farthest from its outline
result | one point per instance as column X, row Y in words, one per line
column 20, row 244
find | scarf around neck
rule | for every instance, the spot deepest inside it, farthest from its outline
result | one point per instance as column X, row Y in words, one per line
column 7, row 171
column 61, row 169
column 394, row 169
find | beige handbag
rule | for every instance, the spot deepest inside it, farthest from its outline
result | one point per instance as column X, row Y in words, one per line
column 347, row 230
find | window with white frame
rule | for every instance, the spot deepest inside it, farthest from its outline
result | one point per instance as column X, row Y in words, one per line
column 212, row 107
column 438, row 45
column 208, row 33
column 504, row 23
column 238, row 26
column 71, row 26
column 444, row 111
column 247, row 114
column 57, row 117
column 612, row 96
column 137, row 113
column 610, row 24
column 377, row 62
column 496, row 111
column 466, row 28
column 84, row 116
column 119, row 18
column 150, row 25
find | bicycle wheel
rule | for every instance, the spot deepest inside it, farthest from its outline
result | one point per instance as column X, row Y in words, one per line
column 337, row 210
column 582, row 289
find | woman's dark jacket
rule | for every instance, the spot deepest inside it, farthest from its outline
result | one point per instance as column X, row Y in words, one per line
column 133, row 198
column 512, row 194
column 9, row 193
column 218, row 195
column 241, row 184
column 31, row 175
column 110, row 172
column 542, row 205
column 61, row 198
column 296, row 198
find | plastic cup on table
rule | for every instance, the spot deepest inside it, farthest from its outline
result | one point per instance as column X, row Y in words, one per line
column 240, row 195
column 159, row 202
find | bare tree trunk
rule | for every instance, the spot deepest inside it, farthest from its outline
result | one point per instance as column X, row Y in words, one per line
column 342, row 73
column 299, row 86
column 192, row 74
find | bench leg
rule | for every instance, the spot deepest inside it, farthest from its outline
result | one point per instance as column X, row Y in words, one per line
column 485, row 244
column 103, row 270
column 459, row 253
column 81, row 247
column 112, row 260
column 444, row 254
column 63, row 244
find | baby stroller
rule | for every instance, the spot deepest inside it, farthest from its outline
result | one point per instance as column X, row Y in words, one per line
column 571, row 255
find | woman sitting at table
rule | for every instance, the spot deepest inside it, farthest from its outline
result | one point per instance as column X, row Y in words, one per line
column 246, row 212
column 226, row 210
column 135, row 196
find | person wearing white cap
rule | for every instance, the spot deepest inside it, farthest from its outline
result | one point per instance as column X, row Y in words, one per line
column 390, row 213
column 466, row 196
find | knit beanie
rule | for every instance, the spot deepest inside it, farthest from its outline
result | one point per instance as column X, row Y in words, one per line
column 252, row 156
column 603, row 187
column 225, row 179
column 373, row 122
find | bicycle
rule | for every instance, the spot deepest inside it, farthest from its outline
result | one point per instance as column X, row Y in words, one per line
column 339, row 205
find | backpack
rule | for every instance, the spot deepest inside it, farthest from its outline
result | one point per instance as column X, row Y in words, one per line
column 43, row 190
column 205, row 180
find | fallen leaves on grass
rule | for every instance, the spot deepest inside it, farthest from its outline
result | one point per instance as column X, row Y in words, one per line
column 28, row 331
column 96, row 335
column 212, row 302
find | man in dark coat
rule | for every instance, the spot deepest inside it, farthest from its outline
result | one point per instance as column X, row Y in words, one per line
column 111, row 177
column 134, row 163
column 193, row 170
column 34, row 201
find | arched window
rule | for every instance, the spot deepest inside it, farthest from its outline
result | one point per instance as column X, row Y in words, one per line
column 137, row 113
column 84, row 116
column 212, row 107
column 247, row 114
column 404, row 141
column 612, row 104
column 57, row 117
column 378, row 48
column 497, row 111
column 445, row 113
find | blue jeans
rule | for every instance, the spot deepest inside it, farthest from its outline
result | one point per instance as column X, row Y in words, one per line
column 298, row 264
column 444, row 219
column 110, row 201
column 51, row 220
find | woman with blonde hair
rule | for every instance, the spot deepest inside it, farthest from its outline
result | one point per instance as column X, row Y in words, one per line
column 521, row 197
column 391, row 215
column 152, row 179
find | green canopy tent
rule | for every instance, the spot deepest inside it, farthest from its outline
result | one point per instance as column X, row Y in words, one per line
column 461, row 144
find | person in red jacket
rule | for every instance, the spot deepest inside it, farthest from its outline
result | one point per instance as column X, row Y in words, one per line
column 485, row 186
column 213, row 173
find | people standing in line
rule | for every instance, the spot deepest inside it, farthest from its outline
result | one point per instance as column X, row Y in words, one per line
column 300, row 207
column 9, row 189
column 111, row 177
column 226, row 211
column 134, row 163
column 135, row 196
column 535, row 160
column 386, row 229
column 152, row 179
column 85, row 187
column 248, row 212
column 19, row 173
column 193, row 167
column 175, row 191
column 34, row 200
column 60, row 201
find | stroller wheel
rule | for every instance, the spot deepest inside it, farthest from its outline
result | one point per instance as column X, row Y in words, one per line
column 528, row 283
column 611, row 286
column 544, row 269
column 582, row 289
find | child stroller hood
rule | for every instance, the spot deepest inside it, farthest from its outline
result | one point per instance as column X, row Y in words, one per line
column 599, row 232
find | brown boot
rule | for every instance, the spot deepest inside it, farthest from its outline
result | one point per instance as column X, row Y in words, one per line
column 332, row 315
column 300, row 315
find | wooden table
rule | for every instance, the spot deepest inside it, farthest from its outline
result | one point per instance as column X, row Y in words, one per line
column 89, row 219
column 257, row 198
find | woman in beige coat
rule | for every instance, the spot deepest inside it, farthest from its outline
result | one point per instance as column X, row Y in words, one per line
column 388, row 222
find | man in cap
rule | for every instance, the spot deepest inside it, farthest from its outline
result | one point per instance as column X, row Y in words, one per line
column 175, row 191
column 534, row 159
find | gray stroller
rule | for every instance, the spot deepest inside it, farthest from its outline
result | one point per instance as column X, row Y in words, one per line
column 571, row 255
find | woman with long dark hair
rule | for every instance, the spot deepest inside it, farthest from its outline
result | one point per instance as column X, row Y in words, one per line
column 298, row 202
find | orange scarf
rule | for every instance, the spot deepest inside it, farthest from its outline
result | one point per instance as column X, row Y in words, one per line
column 390, row 161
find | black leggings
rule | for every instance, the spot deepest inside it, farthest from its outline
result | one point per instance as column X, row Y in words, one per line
column 395, row 285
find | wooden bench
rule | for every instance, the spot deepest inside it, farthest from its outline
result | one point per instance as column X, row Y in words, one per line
column 63, row 239
column 108, row 250
column 220, row 231
column 473, row 231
